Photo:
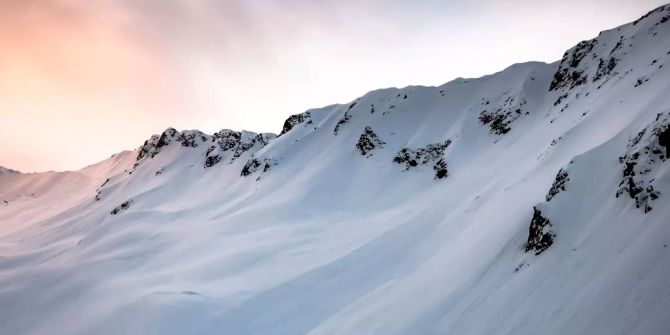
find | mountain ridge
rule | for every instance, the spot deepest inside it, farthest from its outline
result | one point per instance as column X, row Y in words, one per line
column 530, row 200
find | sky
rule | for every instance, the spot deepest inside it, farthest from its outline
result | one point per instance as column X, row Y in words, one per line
column 81, row 80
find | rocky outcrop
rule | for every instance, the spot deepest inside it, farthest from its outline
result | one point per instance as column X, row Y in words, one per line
column 569, row 75
column 645, row 153
column 540, row 235
column 295, row 120
column 342, row 121
column 98, row 194
column 559, row 184
column 500, row 114
column 155, row 143
column 368, row 141
column 255, row 164
column 122, row 207
column 192, row 138
column 236, row 143
column 598, row 60
column 431, row 154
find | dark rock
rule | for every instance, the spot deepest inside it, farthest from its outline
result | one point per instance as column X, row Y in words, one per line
column 567, row 75
column 343, row 120
column 253, row 166
column 664, row 140
column 440, row 168
column 430, row 154
column 250, row 167
column 500, row 118
column 238, row 142
column 540, row 236
column 166, row 137
column 98, row 195
column 368, row 141
column 295, row 120
column 558, row 185
column 190, row 138
column 210, row 159
column 645, row 153
column 605, row 68
column 123, row 207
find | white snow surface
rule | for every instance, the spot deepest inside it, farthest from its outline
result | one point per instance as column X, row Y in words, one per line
column 318, row 238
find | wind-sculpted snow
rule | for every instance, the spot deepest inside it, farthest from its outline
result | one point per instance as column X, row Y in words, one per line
column 482, row 206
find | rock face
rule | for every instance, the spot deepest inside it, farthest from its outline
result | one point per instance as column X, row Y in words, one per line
column 368, row 141
column 559, row 184
column 599, row 60
column 191, row 138
column 430, row 154
column 236, row 143
column 540, row 236
column 155, row 143
column 295, row 120
column 250, row 167
column 255, row 164
column 645, row 153
column 225, row 144
column 569, row 74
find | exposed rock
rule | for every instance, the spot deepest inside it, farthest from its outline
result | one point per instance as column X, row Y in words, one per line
column 255, row 164
column 153, row 145
column 559, row 184
column 500, row 118
column 236, row 142
column 343, row 120
column 645, row 153
column 295, row 120
column 227, row 139
column 567, row 75
column 212, row 156
column 655, row 11
column 664, row 140
column 166, row 137
column 605, row 68
column 250, row 167
column 430, row 154
column 147, row 149
column 191, row 138
column 540, row 235
column 368, row 141
column 264, row 138
column 98, row 195
column 440, row 168
column 123, row 207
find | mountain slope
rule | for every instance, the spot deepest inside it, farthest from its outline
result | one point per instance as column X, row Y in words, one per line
column 533, row 200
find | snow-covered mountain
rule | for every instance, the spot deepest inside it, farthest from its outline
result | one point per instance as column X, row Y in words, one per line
column 532, row 201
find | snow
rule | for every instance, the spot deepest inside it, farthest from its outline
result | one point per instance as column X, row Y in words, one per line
column 328, row 241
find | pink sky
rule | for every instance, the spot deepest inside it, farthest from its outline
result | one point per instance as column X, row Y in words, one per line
column 81, row 80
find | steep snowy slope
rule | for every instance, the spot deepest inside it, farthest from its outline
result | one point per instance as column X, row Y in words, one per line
column 534, row 200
